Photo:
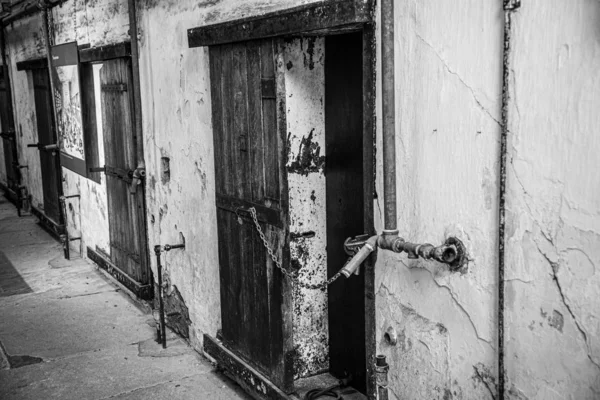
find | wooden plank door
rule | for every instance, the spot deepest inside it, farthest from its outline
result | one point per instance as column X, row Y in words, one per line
column 8, row 137
column 49, row 160
column 125, row 209
column 249, row 145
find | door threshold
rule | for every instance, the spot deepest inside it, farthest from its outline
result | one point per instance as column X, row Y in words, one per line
column 53, row 227
column 259, row 386
column 143, row 292
column 323, row 381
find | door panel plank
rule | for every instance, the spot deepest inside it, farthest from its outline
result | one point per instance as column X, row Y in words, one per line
column 248, row 171
column 49, row 160
column 125, row 210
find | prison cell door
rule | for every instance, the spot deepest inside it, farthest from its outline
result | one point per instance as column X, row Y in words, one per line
column 128, row 250
column 249, row 173
column 8, row 134
column 49, row 159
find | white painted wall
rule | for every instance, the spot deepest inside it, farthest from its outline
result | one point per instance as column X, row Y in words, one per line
column 553, row 216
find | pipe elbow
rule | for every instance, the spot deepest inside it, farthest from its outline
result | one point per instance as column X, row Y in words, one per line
column 360, row 256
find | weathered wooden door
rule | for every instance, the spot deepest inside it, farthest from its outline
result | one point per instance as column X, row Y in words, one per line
column 49, row 160
column 249, row 143
column 8, row 134
column 125, row 206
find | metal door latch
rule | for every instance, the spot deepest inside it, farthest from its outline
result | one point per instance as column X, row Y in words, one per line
column 133, row 177
column 45, row 147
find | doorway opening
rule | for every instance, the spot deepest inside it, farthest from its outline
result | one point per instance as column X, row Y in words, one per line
column 293, row 131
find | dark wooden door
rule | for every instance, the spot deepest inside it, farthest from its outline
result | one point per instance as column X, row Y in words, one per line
column 49, row 160
column 8, row 137
column 125, row 209
column 249, row 143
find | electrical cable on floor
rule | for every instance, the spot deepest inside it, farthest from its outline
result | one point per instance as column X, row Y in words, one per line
column 315, row 394
column 320, row 393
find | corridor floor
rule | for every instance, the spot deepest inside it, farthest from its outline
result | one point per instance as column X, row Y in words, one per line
column 68, row 332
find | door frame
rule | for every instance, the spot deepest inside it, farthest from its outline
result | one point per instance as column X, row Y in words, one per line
column 142, row 290
column 56, row 228
column 316, row 19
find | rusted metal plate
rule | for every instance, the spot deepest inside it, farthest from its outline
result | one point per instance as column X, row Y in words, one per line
column 252, row 381
column 47, row 223
column 305, row 18
column 143, row 292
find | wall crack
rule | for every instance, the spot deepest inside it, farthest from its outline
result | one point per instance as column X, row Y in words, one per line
column 554, row 266
column 469, row 88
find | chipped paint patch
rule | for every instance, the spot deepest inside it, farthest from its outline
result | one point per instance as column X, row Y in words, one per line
column 306, row 182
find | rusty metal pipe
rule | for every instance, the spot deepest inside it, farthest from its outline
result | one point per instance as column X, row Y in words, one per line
column 389, row 114
column 353, row 265
column 381, row 377
column 161, row 305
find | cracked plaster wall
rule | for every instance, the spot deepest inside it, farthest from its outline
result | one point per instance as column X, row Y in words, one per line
column 448, row 96
column 553, row 202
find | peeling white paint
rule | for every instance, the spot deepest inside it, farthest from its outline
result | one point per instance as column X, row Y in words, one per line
column 305, row 90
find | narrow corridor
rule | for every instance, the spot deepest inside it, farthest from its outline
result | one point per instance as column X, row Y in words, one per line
column 68, row 332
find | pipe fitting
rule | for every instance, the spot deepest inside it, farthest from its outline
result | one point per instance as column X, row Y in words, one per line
column 391, row 336
column 352, row 266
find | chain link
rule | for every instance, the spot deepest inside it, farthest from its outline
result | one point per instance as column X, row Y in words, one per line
column 293, row 277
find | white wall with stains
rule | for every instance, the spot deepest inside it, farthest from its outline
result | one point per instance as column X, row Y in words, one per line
column 304, row 60
column 24, row 41
column 553, row 202
column 448, row 96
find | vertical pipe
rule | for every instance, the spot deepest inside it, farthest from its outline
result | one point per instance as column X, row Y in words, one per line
column 137, row 94
column 389, row 113
column 161, row 306
column 509, row 6
column 381, row 376
column 64, row 238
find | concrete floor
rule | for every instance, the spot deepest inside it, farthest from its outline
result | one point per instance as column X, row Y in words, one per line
column 68, row 332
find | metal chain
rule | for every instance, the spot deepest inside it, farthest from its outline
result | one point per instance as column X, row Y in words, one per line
column 293, row 277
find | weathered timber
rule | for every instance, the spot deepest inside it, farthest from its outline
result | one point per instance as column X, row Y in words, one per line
column 104, row 53
column 251, row 380
column 36, row 63
column 325, row 15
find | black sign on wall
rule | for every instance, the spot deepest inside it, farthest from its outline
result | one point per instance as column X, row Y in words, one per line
column 67, row 100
